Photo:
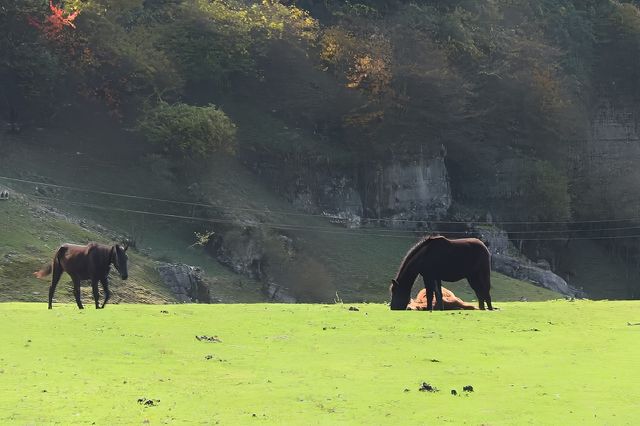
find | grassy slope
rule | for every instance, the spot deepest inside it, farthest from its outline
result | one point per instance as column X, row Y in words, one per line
column 554, row 362
column 115, row 166
column 30, row 236
column 359, row 266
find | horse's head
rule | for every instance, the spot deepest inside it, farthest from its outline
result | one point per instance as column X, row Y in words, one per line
column 400, row 296
column 119, row 259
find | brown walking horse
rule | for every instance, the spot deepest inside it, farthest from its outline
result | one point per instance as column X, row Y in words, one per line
column 90, row 262
column 439, row 259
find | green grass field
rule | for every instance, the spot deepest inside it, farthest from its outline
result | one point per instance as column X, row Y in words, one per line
column 555, row 362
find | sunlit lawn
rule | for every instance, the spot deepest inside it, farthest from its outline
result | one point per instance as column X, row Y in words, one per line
column 555, row 362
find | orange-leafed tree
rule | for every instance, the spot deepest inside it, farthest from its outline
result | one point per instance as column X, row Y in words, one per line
column 55, row 23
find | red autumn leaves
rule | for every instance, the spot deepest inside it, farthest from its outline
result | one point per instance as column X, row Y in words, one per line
column 53, row 24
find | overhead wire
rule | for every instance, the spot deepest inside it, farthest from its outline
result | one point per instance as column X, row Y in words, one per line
column 223, row 221
column 514, row 234
column 289, row 227
column 325, row 216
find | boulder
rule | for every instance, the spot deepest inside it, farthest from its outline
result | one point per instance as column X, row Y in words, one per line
column 278, row 293
column 526, row 270
column 186, row 282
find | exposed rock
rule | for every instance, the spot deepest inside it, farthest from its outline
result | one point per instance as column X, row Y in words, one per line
column 526, row 270
column 349, row 219
column 242, row 251
column 416, row 189
column 329, row 192
column 410, row 187
column 506, row 259
column 278, row 293
column 287, row 245
column 544, row 264
column 186, row 282
column 496, row 240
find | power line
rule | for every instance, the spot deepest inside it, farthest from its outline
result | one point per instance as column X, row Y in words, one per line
column 360, row 230
column 289, row 227
column 144, row 198
column 267, row 210
column 225, row 221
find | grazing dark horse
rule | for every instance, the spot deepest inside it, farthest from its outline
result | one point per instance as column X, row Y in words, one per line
column 439, row 259
column 90, row 262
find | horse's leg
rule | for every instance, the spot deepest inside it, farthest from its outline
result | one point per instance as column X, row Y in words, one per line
column 486, row 286
column 481, row 284
column 76, row 292
column 488, row 300
column 55, row 277
column 428, row 285
column 96, row 292
column 105, row 287
column 439, row 301
column 475, row 284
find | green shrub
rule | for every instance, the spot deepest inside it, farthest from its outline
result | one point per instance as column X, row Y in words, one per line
column 188, row 130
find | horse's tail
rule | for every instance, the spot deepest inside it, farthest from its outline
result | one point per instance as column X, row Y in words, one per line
column 54, row 265
column 44, row 271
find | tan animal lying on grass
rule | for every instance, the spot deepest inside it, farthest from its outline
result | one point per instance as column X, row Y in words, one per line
column 450, row 301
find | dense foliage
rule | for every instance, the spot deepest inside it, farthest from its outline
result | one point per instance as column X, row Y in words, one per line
column 500, row 83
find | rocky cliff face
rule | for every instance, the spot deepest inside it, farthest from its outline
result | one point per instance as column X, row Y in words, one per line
column 407, row 188
column 411, row 187
column 605, row 178
column 606, row 169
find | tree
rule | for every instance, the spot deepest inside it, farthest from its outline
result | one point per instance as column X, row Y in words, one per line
column 29, row 70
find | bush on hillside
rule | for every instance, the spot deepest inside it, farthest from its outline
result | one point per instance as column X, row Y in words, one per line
column 188, row 130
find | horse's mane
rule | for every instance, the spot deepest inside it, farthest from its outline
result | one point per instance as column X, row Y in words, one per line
column 413, row 250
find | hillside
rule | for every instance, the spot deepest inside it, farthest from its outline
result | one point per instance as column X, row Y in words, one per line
column 378, row 120
column 31, row 235
column 352, row 265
